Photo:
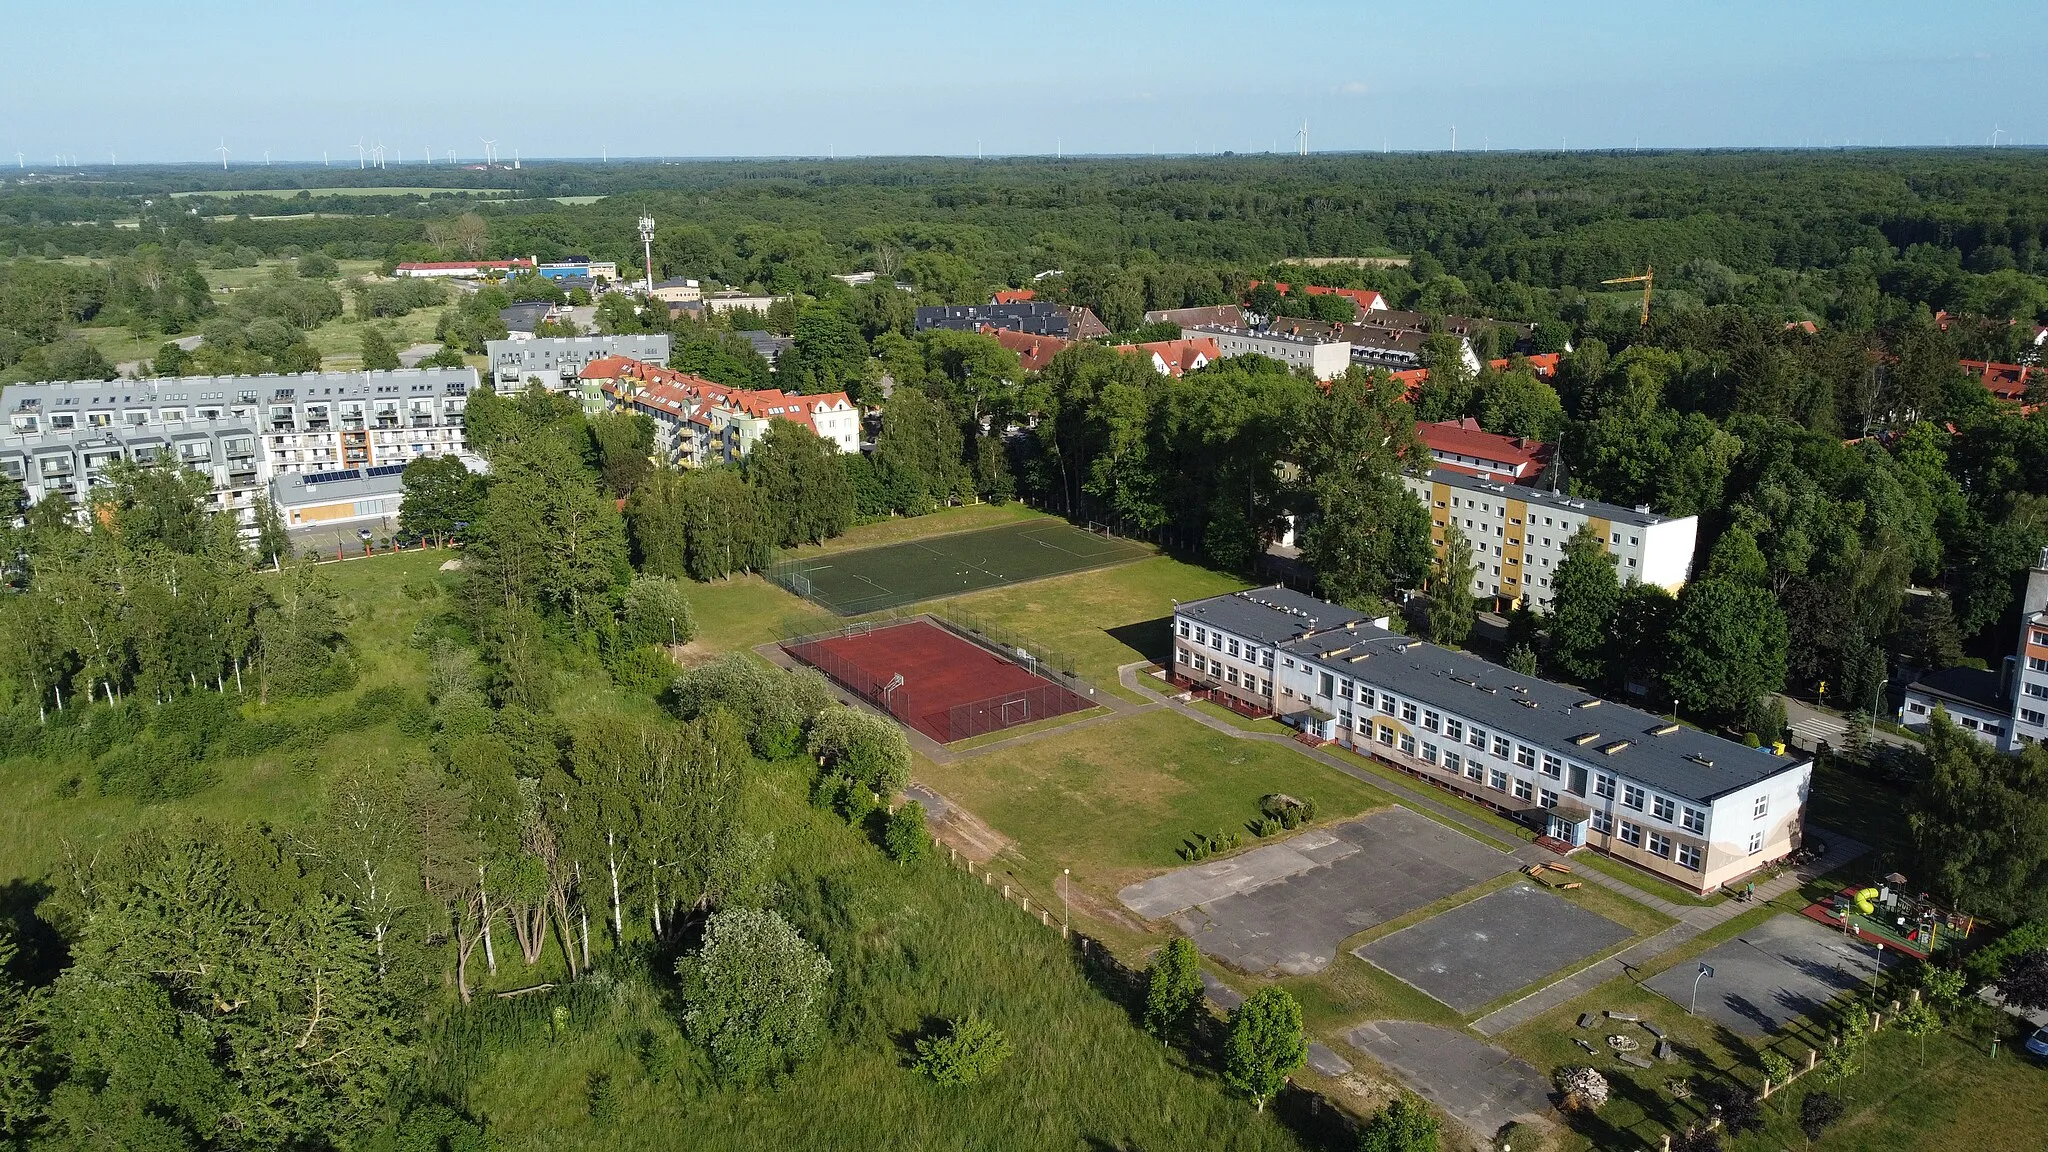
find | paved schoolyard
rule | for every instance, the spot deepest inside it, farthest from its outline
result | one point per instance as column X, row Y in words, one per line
column 1481, row 1086
column 1184, row 888
column 1378, row 867
column 1479, row 952
column 1784, row 968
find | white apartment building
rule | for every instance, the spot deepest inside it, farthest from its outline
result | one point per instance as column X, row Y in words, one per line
column 241, row 431
column 1326, row 358
column 557, row 360
column 1684, row 804
column 1518, row 534
column 2007, row 707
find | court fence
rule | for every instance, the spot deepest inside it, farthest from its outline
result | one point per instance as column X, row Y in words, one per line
column 1063, row 692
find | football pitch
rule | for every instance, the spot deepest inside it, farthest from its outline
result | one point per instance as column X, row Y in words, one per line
column 890, row 576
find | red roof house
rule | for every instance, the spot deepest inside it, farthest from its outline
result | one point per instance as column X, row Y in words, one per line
column 1463, row 446
column 1013, row 296
column 2005, row 381
column 1176, row 358
column 1033, row 352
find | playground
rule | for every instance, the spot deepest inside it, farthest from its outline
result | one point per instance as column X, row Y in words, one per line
column 890, row 576
column 935, row 680
column 1892, row 919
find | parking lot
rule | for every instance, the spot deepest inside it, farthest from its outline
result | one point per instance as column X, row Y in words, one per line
column 1286, row 911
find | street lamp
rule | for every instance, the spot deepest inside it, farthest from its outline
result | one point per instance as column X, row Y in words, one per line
column 1706, row 972
column 671, row 631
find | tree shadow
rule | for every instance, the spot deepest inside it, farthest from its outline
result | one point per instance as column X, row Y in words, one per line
column 41, row 951
column 1152, row 639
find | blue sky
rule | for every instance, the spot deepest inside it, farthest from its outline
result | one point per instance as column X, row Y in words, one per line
column 153, row 81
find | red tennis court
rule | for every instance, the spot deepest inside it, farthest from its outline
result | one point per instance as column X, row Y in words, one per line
column 934, row 681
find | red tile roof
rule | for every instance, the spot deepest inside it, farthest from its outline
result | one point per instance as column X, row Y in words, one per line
column 1463, row 446
column 2005, row 381
column 1806, row 326
column 1543, row 365
column 1365, row 298
column 1177, row 358
column 1033, row 352
column 1013, row 296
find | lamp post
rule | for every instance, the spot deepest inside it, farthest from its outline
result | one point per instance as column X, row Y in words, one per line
column 671, row 631
column 1066, row 908
column 1706, row 972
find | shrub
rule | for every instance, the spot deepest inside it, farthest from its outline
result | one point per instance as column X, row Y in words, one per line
column 1583, row 1088
column 642, row 669
column 754, row 994
column 1775, row 1066
column 1402, row 1126
column 1265, row 826
column 905, row 836
column 602, row 1096
column 1817, row 1112
column 970, row 1052
column 1173, row 988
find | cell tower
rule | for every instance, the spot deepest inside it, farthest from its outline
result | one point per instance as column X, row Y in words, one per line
column 647, row 245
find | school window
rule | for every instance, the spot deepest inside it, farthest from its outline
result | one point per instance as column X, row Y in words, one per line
column 1603, row 785
column 1180, row 655
column 1501, row 747
column 1231, row 675
column 1432, row 721
column 1474, row 770
column 1266, row 658
column 1429, row 753
column 1183, row 629
column 1408, row 744
column 1548, row 799
column 1525, row 756
column 1344, row 690
column 1265, row 687
column 1455, row 729
column 1233, row 649
column 2029, row 716
column 1344, row 719
column 1617, row 537
column 1631, row 835
column 1660, row 844
column 1408, row 711
column 1523, row 789
column 1216, row 641
column 1762, row 807
column 1387, row 734
column 1478, row 739
column 1288, row 662
column 1664, row 809
column 1689, row 856
column 1366, row 696
column 1695, row 820
column 2036, row 664
column 2038, row 691
column 1756, row 843
column 1453, row 763
column 1553, row 767
column 1387, row 705
column 1632, row 796
column 1325, row 684
column 1603, row 823
column 1201, row 635
column 1499, row 780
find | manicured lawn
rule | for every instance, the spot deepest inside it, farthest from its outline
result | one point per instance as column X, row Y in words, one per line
column 1114, row 801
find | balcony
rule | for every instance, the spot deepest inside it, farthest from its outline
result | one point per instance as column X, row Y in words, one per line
column 387, row 420
column 315, row 424
column 352, row 423
column 423, row 420
column 283, row 424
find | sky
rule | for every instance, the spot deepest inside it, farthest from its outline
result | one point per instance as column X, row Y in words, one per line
column 147, row 81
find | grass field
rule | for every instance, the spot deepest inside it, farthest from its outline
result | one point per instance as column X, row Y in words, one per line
column 891, row 576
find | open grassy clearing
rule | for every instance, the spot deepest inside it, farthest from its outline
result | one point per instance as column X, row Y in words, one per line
column 1115, row 800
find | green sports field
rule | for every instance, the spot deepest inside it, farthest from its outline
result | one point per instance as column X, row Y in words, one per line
column 874, row 579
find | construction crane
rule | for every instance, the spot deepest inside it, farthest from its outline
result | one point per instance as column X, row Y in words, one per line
column 1649, row 275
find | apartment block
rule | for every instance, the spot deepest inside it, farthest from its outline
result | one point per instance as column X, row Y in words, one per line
column 1518, row 534
column 558, row 361
column 240, row 431
column 700, row 422
column 1323, row 355
column 2007, row 707
column 1585, row 772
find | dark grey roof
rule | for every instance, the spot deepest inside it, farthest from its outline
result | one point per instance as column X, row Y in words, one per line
column 1679, row 761
column 524, row 317
column 1269, row 616
column 1977, row 687
column 1538, row 497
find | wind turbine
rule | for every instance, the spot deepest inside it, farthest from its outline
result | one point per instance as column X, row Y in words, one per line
column 18, row 161
column 1454, row 139
column 1996, row 132
column 1301, row 139
column 489, row 155
column 359, row 153
column 223, row 150
column 430, row 154
column 266, row 157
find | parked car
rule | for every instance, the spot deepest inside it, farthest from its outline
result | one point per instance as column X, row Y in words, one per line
column 2038, row 1042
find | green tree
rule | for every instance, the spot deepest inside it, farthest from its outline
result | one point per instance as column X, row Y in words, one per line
column 378, row 354
column 1522, row 658
column 1451, row 609
column 1980, row 824
column 1405, row 1125
column 655, row 610
column 918, row 452
column 625, row 445
column 1173, row 989
column 1366, row 534
column 1584, row 595
column 754, row 994
column 970, row 1051
column 828, row 354
column 1264, row 1045
column 1518, row 403
column 905, row 836
column 272, row 542
column 1917, row 1018
column 440, row 493
column 804, row 489
column 1727, row 649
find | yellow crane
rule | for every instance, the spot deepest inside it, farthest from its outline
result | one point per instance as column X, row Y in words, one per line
column 1649, row 275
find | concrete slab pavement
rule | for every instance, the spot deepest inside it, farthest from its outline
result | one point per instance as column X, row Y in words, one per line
column 1481, row 1086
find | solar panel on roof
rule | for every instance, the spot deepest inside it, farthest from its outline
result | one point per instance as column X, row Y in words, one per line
column 331, row 477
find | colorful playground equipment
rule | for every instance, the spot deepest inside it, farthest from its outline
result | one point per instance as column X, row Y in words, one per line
column 1866, row 901
column 1888, row 914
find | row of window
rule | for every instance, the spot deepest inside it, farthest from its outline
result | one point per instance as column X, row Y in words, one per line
column 1548, row 522
column 1217, row 641
column 1216, row 668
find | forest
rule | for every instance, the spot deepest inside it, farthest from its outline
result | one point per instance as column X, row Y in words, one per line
column 556, row 804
